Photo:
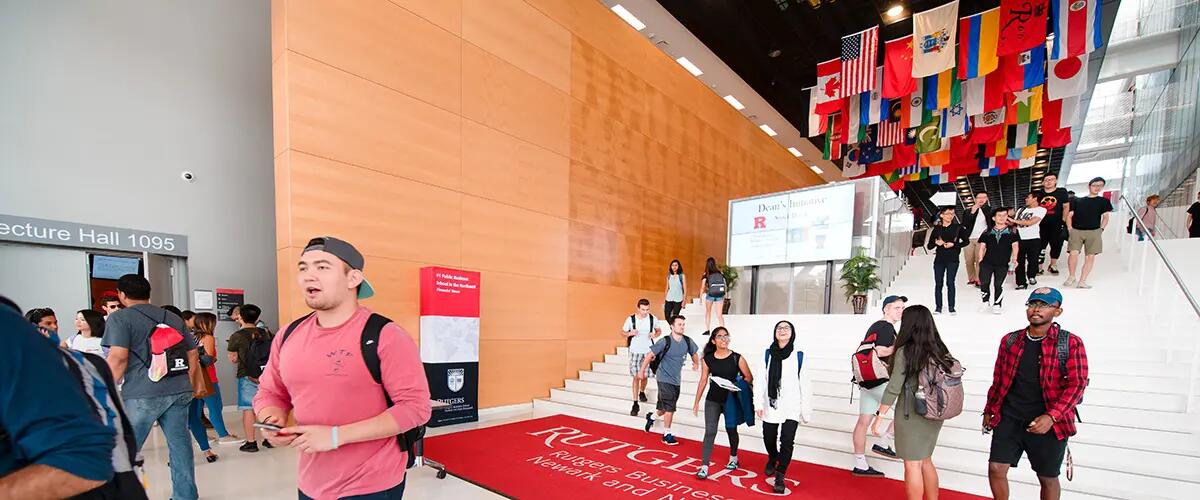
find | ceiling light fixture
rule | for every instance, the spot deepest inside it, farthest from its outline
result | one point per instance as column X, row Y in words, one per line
column 734, row 102
column 795, row 152
column 895, row 11
column 692, row 68
column 767, row 128
column 624, row 13
column 817, row 169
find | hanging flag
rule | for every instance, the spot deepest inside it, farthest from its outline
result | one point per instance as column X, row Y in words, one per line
column 1055, row 138
column 1022, row 135
column 1022, row 153
column 955, row 121
column 942, row 90
column 933, row 40
column 871, row 108
column 829, row 86
column 977, row 38
column 897, row 68
column 941, row 175
column 816, row 121
column 853, row 104
column 904, row 155
column 913, row 173
column 1059, row 114
column 989, row 126
column 993, row 149
column 1077, row 28
column 941, row 156
column 833, row 139
column 928, row 136
column 894, row 180
column 984, row 94
column 916, row 108
column 1068, row 77
column 1022, row 25
column 1025, row 106
column 891, row 130
column 1024, row 70
column 859, row 52
column 1070, row 111
column 853, row 165
column 870, row 150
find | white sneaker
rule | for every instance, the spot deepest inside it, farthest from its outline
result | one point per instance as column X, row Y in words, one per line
column 230, row 439
column 996, row 309
column 1069, row 282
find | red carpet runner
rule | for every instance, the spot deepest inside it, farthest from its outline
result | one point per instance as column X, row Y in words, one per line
column 567, row 457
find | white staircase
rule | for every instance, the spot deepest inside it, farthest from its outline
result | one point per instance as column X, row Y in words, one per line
column 1136, row 442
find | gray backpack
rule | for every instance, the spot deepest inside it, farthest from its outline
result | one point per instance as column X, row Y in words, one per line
column 940, row 393
column 716, row 285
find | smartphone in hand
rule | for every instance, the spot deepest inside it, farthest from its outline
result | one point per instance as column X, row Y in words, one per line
column 267, row 427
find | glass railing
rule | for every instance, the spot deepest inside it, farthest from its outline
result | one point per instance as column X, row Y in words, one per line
column 1153, row 17
column 1169, row 307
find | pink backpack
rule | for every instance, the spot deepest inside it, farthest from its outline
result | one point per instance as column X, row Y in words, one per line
column 939, row 393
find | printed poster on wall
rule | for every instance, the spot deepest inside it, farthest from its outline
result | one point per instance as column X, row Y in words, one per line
column 226, row 299
column 450, row 342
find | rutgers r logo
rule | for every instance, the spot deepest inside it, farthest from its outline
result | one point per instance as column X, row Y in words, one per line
column 180, row 363
column 760, row 223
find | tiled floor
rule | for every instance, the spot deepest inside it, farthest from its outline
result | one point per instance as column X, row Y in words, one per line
column 271, row 474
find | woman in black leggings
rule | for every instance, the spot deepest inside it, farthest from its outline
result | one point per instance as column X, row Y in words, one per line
column 784, row 400
column 719, row 361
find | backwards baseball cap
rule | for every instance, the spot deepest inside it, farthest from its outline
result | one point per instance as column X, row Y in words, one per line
column 892, row 298
column 347, row 253
column 1046, row 295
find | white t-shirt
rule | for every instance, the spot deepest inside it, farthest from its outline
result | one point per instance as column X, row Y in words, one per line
column 980, row 224
column 86, row 344
column 641, row 342
column 1030, row 232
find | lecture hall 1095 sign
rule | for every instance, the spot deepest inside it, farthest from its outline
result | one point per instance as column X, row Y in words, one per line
column 809, row 225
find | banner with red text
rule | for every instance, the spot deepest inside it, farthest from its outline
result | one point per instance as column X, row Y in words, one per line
column 450, row 342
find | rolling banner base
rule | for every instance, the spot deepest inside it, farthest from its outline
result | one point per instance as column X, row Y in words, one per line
column 447, row 384
column 567, row 457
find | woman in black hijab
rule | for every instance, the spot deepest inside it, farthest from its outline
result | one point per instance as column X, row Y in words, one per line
column 783, row 398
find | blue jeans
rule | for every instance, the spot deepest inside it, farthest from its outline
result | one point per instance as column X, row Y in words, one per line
column 195, row 408
column 171, row 413
column 215, row 406
column 396, row 493
column 944, row 273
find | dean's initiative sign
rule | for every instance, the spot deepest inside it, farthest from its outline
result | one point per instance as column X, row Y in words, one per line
column 71, row 234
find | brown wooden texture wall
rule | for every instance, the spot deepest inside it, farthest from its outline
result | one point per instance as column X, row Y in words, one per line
column 542, row 142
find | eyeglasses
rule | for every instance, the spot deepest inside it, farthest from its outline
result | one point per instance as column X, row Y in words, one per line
column 721, row 336
column 784, row 328
column 1040, row 305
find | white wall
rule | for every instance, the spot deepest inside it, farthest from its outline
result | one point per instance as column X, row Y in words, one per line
column 104, row 104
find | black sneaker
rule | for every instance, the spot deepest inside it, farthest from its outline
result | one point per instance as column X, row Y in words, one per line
column 780, row 487
column 669, row 440
column 635, row 410
column 249, row 447
column 649, row 421
column 870, row 472
column 1053, row 270
column 770, row 470
column 642, row 396
column 267, row 444
column 887, row 452
column 706, row 333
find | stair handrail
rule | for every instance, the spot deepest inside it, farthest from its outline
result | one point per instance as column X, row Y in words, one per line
column 1187, row 293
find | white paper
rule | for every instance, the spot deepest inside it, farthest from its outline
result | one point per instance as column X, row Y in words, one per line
column 724, row 383
column 203, row 299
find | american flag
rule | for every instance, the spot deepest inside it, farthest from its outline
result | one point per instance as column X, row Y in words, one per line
column 859, row 52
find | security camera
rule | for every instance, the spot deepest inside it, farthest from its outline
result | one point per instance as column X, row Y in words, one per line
column 188, row 177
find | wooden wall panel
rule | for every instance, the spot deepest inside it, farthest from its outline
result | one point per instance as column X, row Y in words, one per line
column 541, row 142
column 334, row 114
column 500, row 167
column 381, row 42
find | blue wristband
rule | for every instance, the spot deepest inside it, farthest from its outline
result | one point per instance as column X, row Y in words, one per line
column 335, row 437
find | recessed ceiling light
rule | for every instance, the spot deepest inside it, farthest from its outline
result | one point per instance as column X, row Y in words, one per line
column 734, row 102
column 817, row 169
column 795, row 152
column 895, row 11
column 629, row 17
column 767, row 128
column 692, row 68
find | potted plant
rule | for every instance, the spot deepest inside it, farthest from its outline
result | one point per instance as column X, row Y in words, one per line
column 859, row 277
column 731, row 279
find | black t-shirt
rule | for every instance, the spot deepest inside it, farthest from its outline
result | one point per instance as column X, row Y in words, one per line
column 239, row 342
column 725, row 368
column 1025, row 400
column 948, row 234
column 999, row 246
column 1086, row 212
column 1195, row 211
column 1053, row 203
column 883, row 334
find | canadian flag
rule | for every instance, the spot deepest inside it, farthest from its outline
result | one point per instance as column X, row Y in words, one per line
column 828, row 92
column 1068, row 77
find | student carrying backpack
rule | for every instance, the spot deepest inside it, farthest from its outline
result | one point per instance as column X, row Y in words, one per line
column 168, row 351
column 939, row 394
column 258, row 352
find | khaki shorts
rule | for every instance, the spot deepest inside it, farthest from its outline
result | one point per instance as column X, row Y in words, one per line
column 1090, row 240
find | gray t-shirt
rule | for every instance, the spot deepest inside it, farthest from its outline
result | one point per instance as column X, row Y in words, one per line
column 671, row 367
column 130, row 328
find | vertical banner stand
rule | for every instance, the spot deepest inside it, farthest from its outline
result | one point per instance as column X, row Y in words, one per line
column 450, row 342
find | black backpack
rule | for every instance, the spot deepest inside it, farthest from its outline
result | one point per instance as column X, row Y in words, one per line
column 258, row 352
column 716, row 285
column 369, row 343
column 691, row 346
column 177, row 354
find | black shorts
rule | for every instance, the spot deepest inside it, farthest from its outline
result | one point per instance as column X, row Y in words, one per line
column 1045, row 451
column 668, row 395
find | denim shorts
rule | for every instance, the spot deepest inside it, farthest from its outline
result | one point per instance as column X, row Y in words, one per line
column 710, row 298
column 246, row 390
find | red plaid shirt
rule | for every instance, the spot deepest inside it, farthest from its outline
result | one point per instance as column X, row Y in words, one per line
column 1061, row 393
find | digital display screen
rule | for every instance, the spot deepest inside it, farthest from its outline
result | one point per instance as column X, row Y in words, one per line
column 813, row 225
column 108, row 267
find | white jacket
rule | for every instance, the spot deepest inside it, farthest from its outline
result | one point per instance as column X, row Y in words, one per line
column 795, row 400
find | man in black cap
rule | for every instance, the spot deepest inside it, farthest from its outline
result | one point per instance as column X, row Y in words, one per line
column 880, row 338
column 353, row 379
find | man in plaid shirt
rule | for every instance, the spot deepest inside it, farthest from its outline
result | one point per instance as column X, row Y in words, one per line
column 1031, row 395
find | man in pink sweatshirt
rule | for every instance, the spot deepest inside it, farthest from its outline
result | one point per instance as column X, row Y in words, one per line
column 346, row 431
